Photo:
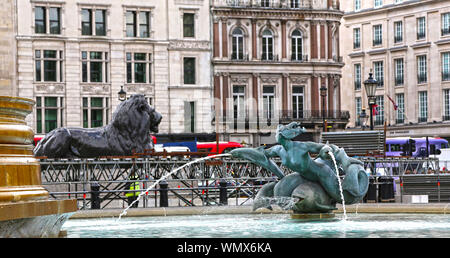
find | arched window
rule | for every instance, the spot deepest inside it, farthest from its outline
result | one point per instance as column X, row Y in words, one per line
column 267, row 45
column 297, row 46
column 237, row 52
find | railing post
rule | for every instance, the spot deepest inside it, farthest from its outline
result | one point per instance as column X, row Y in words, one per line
column 95, row 196
column 163, row 194
column 223, row 194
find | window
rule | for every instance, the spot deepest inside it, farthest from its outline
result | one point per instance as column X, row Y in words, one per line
column 357, row 5
column 398, row 31
column 267, row 45
column 423, row 106
column 422, row 69
column 189, row 116
column 398, row 1
column 446, row 66
column 445, row 24
column 95, row 111
column 268, row 102
column 295, row 3
column 138, row 67
column 399, row 71
column 297, row 46
column 49, row 113
column 189, row 70
column 237, row 44
column 297, row 102
column 48, row 65
column 378, row 3
column 400, row 101
column 133, row 27
column 188, row 25
column 44, row 16
column 357, row 78
column 379, row 117
column 421, row 28
column 379, row 73
column 94, row 66
column 93, row 22
column 358, row 110
column 377, row 35
column 239, row 102
column 356, row 38
column 446, row 105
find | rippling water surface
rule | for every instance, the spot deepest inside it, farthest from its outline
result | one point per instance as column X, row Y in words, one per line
column 262, row 225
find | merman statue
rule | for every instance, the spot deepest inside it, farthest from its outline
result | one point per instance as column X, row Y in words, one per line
column 314, row 186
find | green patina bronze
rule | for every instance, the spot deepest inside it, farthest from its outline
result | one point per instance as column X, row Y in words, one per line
column 314, row 186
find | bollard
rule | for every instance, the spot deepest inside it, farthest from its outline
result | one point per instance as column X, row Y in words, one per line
column 95, row 196
column 223, row 193
column 163, row 194
column 371, row 195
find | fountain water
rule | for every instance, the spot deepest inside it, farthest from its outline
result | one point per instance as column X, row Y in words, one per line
column 124, row 212
column 340, row 185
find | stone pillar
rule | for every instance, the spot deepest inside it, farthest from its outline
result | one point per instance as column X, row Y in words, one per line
column 216, row 44
column 323, row 106
column 315, row 93
column 224, row 94
column 283, row 39
column 322, row 41
column 254, row 53
column 330, row 93
column 284, row 95
column 314, row 49
column 224, row 39
column 255, row 95
column 330, row 41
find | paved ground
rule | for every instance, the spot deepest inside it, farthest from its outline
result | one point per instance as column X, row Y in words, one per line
column 439, row 208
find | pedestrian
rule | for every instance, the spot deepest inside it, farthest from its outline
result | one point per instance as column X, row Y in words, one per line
column 132, row 194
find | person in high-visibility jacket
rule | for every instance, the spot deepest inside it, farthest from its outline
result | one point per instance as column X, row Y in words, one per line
column 131, row 194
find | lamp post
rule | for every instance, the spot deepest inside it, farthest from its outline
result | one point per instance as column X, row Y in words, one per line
column 323, row 94
column 371, row 86
column 122, row 94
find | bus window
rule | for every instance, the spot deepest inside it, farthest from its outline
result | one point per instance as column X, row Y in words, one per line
column 228, row 149
column 444, row 146
column 395, row 147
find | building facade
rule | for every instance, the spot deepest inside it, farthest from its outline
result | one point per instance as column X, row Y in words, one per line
column 270, row 59
column 73, row 57
column 406, row 45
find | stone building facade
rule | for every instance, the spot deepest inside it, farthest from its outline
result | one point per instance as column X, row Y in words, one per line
column 270, row 58
column 73, row 57
column 406, row 43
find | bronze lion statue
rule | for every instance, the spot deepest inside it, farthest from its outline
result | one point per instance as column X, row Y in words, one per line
column 128, row 132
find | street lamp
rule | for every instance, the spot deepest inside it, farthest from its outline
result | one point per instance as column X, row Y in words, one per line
column 323, row 93
column 371, row 86
column 122, row 94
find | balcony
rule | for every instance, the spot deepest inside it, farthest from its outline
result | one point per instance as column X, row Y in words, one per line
column 422, row 119
column 299, row 58
column 239, row 57
column 285, row 4
column 254, row 123
column 287, row 116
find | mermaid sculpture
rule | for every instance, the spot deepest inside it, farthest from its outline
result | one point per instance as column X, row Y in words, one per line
column 314, row 186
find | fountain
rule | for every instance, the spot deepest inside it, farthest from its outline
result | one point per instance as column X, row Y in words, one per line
column 25, row 208
column 315, row 186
